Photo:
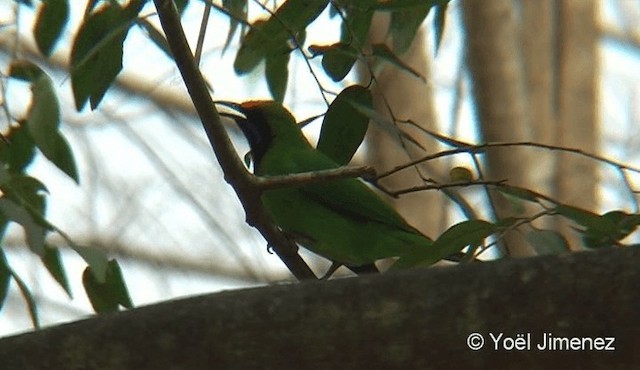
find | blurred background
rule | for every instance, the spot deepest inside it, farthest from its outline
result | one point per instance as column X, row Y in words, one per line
column 152, row 195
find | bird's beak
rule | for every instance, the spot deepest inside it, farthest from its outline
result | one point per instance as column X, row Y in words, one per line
column 235, row 106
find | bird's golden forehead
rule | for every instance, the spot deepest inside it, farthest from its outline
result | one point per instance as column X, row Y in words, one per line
column 253, row 104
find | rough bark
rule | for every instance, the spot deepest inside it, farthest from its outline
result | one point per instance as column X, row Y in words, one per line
column 417, row 319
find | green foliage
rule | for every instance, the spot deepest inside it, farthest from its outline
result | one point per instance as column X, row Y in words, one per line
column 96, row 56
column 344, row 126
column 108, row 295
column 469, row 233
column 50, row 22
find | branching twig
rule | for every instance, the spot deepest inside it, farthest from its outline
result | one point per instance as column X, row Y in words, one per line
column 458, row 184
column 232, row 167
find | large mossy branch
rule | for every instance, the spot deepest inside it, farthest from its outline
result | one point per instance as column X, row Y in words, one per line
column 413, row 319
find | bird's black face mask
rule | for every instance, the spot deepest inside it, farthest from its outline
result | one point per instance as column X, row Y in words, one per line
column 253, row 126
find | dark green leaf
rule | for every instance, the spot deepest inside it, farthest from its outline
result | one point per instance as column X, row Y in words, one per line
column 5, row 278
column 344, row 126
column 44, row 118
column 34, row 231
column 456, row 238
column 401, row 4
column 547, row 242
column 386, row 124
column 405, row 24
column 96, row 55
column 277, row 74
column 155, row 36
column 20, row 153
column 53, row 262
column 585, row 218
column 518, row 192
column 266, row 37
column 337, row 59
column 107, row 296
column 385, row 54
column 50, row 21
column 238, row 11
column 355, row 26
column 97, row 261
column 28, row 297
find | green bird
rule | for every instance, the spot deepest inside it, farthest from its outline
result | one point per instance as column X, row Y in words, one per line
column 342, row 220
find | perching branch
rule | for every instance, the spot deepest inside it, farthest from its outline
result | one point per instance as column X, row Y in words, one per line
column 234, row 171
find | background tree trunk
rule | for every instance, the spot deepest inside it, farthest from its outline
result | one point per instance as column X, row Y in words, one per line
column 499, row 90
column 411, row 98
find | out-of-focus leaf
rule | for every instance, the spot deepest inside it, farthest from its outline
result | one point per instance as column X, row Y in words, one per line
column 108, row 295
column 97, row 261
column 44, row 117
column 356, row 23
column 156, row 37
column 53, row 262
column 405, row 24
column 266, row 37
column 28, row 297
column 20, row 153
column 547, row 242
column 401, row 4
column 96, row 55
column 344, row 126
column 5, row 277
column 50, row 22
column 337, row 59
column 456, row 238
column 277, row 74
column 237, row 10
column 383, row 53
column 34, row 231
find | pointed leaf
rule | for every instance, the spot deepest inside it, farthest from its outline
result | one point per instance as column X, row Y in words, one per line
column 337, row 59
column 53, row 262
column 20, row 153
column 518, row 192
column 5, row 278
column 107, row 296
column 96, row 55
column 405, row 24
column 583, row 217
column 547, row 242
column 28, row 297
column 266, row 37
column 97, row 261
column 50, row 22
column 456, row 238
column 34, row 231
column 344, row 126
column 355, row 26
column 237, row 10
column 277, row 74
column 401, row 4
column 155, row 36
column 385, row 54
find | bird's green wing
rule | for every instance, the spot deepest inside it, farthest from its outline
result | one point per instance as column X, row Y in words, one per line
column 348, row 197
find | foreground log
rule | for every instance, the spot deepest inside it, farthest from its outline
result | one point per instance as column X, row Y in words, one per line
column 584, row 305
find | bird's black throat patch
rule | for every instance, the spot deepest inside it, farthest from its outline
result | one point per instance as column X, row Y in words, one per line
column 258, row 133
